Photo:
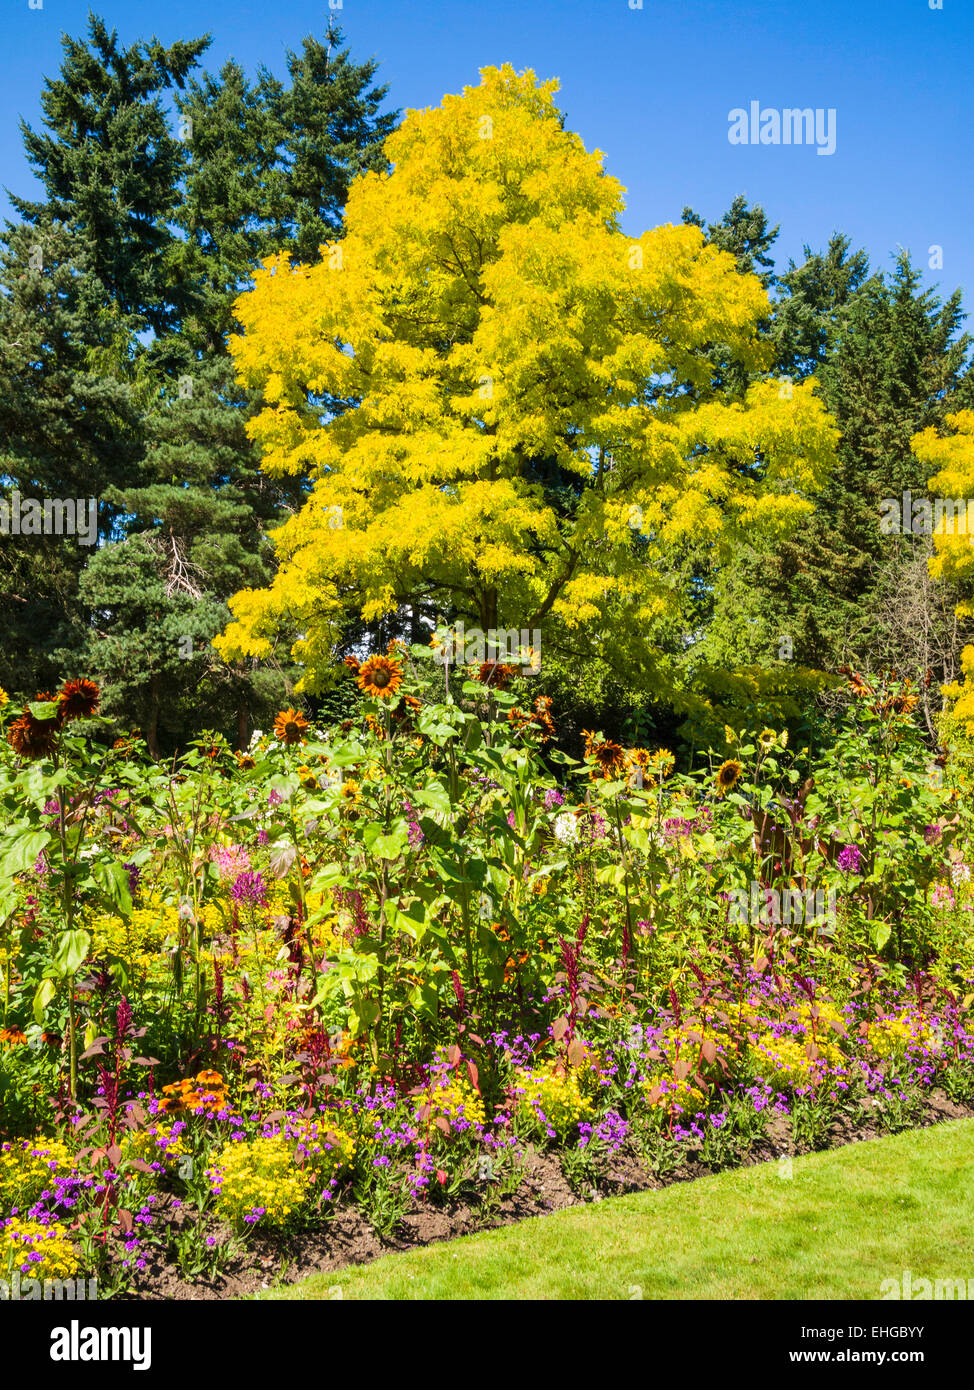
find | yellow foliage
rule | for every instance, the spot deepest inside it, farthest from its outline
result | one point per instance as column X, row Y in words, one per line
column 488, row 322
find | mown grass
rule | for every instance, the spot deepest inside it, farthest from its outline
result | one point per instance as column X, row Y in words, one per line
column 844, row 1221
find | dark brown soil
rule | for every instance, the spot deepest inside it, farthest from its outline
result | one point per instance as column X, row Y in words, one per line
column 347, row 1238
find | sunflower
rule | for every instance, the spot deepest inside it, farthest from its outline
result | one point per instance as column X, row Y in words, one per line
column 308, row 779
column 518, row 720
column 900, row 704
column 610, row 758
column 638, row 764
column 32, row 737
column 374, row 726
column 353, row 664
column 859, row 686
column 290, row 727
column 665, row 762
column 13, row 1036
column 768, row 739
column 380, row 677
column 245, row 762
column 350, row 792
column 495, row 674
column 728, row 775
column 542, row 717
column 79, row 699
column 4, row 697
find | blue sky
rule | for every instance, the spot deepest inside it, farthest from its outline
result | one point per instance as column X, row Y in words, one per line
column 650, row 87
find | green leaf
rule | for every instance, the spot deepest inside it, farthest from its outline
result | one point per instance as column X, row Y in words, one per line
column 21, row 854
column 43, row 995
column 881, row 934
column 71, row 953
column 113, row 881
column 43, row 709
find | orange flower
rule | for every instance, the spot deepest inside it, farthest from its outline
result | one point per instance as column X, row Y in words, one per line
column 353, row 664
column 13, row 1036
column 495, row 674
column 610, row 758
column 79, row 699
column 32, row 737
column 380, row 677
column 245, row 762
column 290, row 727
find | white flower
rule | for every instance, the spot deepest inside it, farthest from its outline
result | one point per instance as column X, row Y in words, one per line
column 566, row 828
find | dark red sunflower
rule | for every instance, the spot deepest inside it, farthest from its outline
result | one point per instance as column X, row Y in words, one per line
column 78, row 699
column 496, row 674
column 32, row 737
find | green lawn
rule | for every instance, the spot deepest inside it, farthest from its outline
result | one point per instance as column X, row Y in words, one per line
column 842, row 1223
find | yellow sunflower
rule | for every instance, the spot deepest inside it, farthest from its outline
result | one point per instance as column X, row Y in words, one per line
column 728, row 775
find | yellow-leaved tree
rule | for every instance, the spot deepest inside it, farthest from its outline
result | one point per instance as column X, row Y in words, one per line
column 508, row 409
column 951, row 457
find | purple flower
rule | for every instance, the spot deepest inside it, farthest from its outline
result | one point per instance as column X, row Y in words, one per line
column 850, row 857
column 553, row 798
column 677, row 827
column 249, row 888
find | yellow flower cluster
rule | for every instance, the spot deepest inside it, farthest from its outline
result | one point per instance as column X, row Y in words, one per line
column 138, row 938
column 27, row 1168
column 894, row 1036
column 157, row 1145
column 323, row 1149
column 553, row 1092
column 677, row 1096
column 453, row 1097
column 22, row 1240
column 258, row 1181
column 784, row 1063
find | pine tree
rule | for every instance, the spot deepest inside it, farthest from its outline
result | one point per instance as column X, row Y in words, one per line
column 268, row 166
column 69, row 429
column 890, row 360
column 110, row 164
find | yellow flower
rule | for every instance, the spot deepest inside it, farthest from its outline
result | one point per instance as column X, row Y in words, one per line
column 20, row 1240
column 728, row 775
column 4, row 697
column 550, row 1097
